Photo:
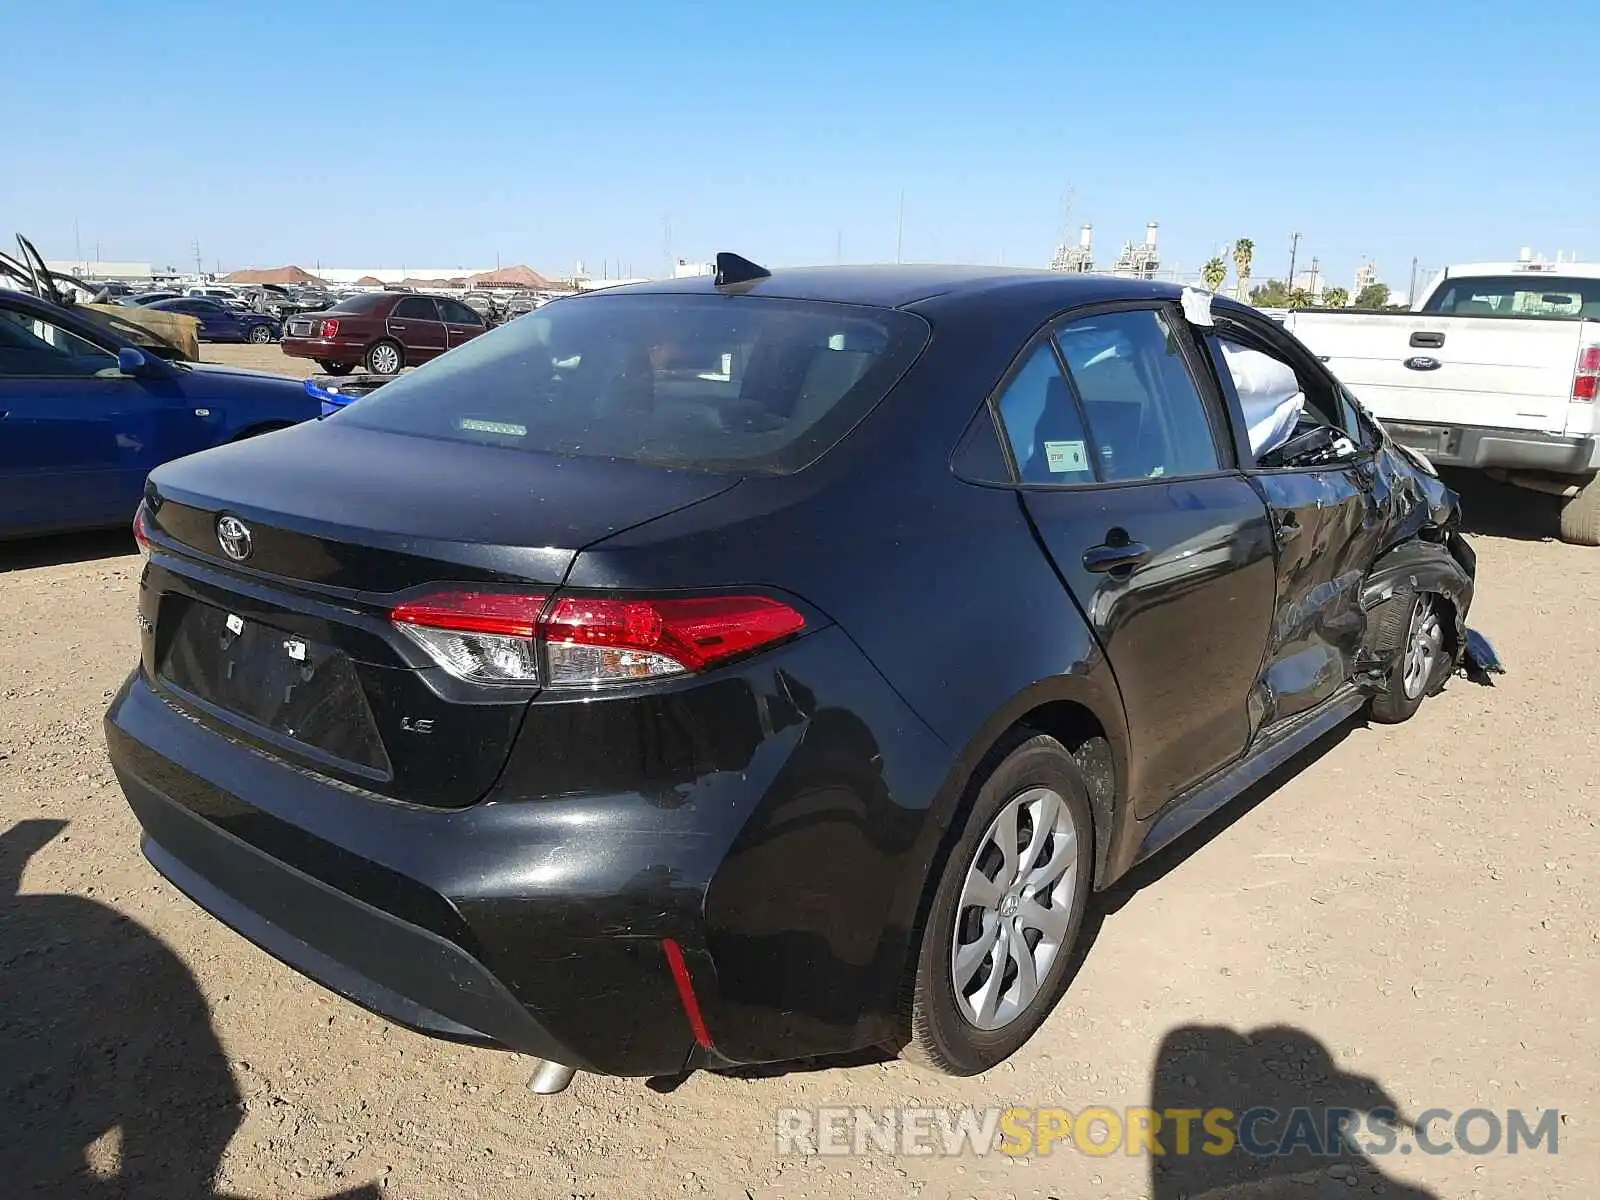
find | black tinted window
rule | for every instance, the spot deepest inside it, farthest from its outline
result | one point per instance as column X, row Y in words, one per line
column 30, row 346
column 416, row 308
column 711, row 382
column 1530, row 295
column 458, row 314
column 369, row 302
column 1043, row 425
column 1146, row 415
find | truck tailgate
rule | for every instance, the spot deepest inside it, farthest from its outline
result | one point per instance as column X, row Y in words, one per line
column 1493, row 372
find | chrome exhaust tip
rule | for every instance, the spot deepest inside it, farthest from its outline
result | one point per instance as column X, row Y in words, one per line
column 549, row 1077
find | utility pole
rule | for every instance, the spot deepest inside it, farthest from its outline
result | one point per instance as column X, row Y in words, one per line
column 199, row 267
column 1294, row 249
column 900, row 230
column 1411, row 296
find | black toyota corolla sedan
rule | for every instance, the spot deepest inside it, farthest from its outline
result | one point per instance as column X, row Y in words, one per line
column 737, row 669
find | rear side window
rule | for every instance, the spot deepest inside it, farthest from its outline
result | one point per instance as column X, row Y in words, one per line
column 1145, row 413
column 1517, row 296
column 1042, row 423
column 717, row 383
column 416, row 308
column 362, row 305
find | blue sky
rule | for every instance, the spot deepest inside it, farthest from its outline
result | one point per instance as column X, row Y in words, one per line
column 395, row 133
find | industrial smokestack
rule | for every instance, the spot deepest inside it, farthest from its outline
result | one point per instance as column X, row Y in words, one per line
column 1526, row 255
column 1150, row 235
column 1085, row 237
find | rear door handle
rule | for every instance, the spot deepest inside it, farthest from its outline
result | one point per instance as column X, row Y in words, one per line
column 1115, row 558
column 1427, row 341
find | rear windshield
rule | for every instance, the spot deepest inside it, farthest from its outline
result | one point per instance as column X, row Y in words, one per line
column 1517, row 296
column 369, row 302
column 716, row 383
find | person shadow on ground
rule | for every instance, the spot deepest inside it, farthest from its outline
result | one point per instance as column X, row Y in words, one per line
column 112, row 1081
column 1291, row 1073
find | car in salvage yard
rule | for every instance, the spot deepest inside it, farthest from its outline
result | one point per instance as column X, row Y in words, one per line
column 737, row 669
column 1496, row 368
column 88, row 407
column 219, row 323
column 381, row 332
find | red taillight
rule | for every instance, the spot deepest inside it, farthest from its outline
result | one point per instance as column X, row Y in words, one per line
column 1586, row 378
column 141, row 529
column 502, row 613
column 602, row 640
column 493, row 637
column 330, row 329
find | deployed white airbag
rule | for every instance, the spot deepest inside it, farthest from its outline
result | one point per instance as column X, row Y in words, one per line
column 1269, row 394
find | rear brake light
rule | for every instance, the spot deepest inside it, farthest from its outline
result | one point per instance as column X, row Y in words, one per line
column 1586, row 378
column 330, row 329
column 141, row 529
column 494, row 637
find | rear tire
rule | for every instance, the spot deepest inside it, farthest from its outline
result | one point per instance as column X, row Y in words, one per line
column 1580, row 515
column 1006, row 914
column 1410, row 626
column 384, row 358
column 335, row 368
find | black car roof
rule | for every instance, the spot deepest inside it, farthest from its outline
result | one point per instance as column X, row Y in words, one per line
column 896, row 286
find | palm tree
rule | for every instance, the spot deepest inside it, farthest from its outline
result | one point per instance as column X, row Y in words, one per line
column 1244, row 251
column 1298, row 297
column 1336, row 297
column 1214, row 272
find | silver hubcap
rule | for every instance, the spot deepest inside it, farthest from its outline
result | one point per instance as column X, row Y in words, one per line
column 385, row 360
column 1015, row 906
column 1427, row 640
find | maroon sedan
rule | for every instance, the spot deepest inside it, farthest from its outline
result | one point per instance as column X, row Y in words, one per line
column 381, row 332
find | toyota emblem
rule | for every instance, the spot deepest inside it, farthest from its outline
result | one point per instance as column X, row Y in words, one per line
column 234, row 537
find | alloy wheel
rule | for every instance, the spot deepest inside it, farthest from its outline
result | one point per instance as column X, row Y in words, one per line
column 1423, row 650
column 385, row 359
column 1015, row 908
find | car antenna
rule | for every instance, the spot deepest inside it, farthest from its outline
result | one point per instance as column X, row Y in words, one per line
column 733, row 269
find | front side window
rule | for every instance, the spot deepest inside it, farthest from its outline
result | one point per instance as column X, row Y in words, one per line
column 458, row 314
column 1146, row 415
column 1042, row 423
column 416, row 308
column 1278, row 401
column 30, row 346
column 707, row 382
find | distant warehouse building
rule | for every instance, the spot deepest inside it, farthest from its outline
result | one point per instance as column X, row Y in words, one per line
column 88, row 268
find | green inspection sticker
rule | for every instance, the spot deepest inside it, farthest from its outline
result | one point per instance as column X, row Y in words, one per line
column 1066, row 456
column 501, row 427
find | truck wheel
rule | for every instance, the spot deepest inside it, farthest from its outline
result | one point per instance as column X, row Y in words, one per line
column 1006, row 913
column 1580, row 515
column 1409, row 625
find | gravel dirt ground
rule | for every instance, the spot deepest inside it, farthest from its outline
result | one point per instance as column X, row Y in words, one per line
column 1410, row 913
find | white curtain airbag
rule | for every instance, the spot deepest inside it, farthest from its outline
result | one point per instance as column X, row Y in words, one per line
column 1269, row 394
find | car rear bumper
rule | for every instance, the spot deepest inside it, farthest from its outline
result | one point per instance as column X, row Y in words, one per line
column 1480, row 447
column 329, row 349
column 774, row 857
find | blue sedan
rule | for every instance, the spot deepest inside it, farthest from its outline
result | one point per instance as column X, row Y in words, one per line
column 85, row 415
column 219, row 323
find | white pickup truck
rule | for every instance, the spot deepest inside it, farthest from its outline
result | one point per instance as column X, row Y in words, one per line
column 1495, row 367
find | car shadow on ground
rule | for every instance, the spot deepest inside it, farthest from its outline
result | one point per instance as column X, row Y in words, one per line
column 1298, row 1126
column 1502, row 509
column 63, row 548
column 112, row 1081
